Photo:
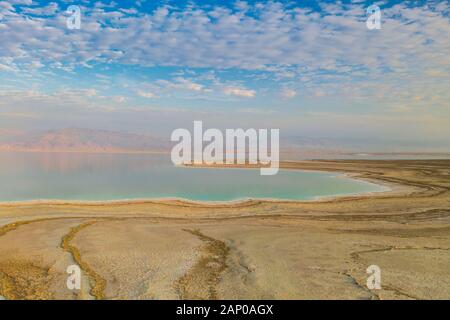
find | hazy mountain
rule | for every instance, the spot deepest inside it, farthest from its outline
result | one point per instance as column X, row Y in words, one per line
column 82, row 140
column 89, row 140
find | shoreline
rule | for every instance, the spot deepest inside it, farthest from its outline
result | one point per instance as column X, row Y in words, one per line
column 241, row 250
column 386, row 189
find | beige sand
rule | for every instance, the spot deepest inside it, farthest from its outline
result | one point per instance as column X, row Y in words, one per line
column 248, row 250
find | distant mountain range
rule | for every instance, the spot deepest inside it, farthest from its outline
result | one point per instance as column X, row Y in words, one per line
column 90, row 140
column 81, row 140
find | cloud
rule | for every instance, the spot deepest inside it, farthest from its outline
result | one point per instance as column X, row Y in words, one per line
column 239, row 92
column 6, row 6
column 21, row 2
column 90, row 92
column 6, row 68
column 129, row 11
column 38, row 101
column 245, row 50
column 146, row 94
column 49, row 10
column 182, row 83
column 177, row 84
column 288, row 93
column 251, row 37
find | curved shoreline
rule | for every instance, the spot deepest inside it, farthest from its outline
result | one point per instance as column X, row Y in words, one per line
column 403, row 178
column 271, row 249
column 387, row 188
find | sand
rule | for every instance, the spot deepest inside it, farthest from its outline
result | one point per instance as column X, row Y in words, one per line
column 245, row 250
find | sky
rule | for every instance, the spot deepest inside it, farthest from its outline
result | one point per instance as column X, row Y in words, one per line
column 308, row 68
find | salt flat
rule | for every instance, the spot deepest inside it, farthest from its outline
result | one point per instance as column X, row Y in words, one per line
column 246, row 250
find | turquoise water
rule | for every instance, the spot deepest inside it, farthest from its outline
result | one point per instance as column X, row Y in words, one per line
column 72, row 176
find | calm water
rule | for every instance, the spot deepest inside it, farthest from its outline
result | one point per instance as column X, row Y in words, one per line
column 70, row 176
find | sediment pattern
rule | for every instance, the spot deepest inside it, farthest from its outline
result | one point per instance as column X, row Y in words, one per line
column 201, row 280
column 19, row 279
column 252, row 249
column 98, row 284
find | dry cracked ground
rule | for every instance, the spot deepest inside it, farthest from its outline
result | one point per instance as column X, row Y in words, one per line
column 249, row 250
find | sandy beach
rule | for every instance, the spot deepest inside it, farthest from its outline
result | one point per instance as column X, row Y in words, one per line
column 254, row 249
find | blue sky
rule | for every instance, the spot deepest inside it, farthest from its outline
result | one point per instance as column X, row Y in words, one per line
column 310, row 68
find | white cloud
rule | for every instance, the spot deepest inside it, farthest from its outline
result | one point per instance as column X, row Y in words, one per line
column 5, row 6
column 21, row 2
column 90, row 92
column 129, row 11
column 273, row 36
column 146, row 94
column 239, row 92
column 288, row 93
column 187, row 84
column 6, row 68
column 314, row 54
column 48, row 10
